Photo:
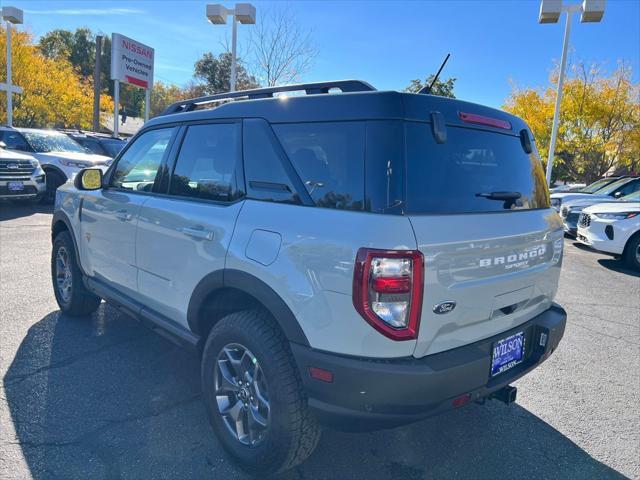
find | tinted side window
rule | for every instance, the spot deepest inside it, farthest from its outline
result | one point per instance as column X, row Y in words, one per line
column 329, row 158
column 385, row 166
column 206, row 164
column 629, row 188
column 14, row 141
column 137, row 169
column 265, row 176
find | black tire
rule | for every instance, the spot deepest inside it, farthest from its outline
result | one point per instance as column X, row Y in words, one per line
column 630, row 255
column 292, row 432
column 74, row 299
column 54, row 180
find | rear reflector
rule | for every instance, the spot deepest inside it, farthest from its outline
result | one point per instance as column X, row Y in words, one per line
column 481, row 120
column 461, row 400
column 321, row 374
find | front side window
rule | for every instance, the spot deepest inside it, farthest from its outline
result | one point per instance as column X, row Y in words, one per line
column 329, row 158
column 14, row 141
column 138, row 167
column 206, row 164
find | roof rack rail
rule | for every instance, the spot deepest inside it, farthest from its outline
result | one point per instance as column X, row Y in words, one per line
column 309, row 88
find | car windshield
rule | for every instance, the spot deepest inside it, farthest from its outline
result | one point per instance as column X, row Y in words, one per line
column 632, row 197
column 595, row 186
column 43, row 142
column 113, row 147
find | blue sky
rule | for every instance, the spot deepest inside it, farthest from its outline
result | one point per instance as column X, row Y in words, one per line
column 493, row 44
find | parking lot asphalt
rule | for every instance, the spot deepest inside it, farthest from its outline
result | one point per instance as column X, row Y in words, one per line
column 103, row 397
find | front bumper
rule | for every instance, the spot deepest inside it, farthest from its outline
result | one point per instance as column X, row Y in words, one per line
column 32, row 187
column 595, row 236
column 367, row 393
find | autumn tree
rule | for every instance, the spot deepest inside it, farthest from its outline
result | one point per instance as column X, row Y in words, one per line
column 281, row 50
column 214, row 73
column 599, row 127
column 443, row 88
column 54, row 93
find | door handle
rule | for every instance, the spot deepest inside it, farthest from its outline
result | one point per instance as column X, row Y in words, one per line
column 197, row 232
column 124, row 215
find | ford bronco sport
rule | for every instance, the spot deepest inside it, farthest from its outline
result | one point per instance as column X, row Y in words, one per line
column 357, row 258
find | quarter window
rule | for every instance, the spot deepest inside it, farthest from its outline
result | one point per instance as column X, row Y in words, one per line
column 138, row 167
column 329, row 158
column 206, row 165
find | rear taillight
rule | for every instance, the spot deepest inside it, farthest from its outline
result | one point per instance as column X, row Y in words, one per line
column 387, row 290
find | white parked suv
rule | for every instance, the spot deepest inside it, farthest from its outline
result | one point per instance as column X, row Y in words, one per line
column 60, row 157
column 363, row 259
column 613, row 228
column 21, row 176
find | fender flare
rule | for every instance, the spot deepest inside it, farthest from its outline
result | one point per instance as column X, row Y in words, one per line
column 60, row 216
column 253, row 286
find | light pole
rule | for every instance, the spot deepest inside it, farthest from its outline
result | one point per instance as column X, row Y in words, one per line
column 11, row 15
column 550, row 11
column 244, row 13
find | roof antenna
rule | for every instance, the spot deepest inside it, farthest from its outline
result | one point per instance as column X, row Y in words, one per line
column 427, row 89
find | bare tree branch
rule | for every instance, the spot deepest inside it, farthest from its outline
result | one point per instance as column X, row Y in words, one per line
column 282, row 51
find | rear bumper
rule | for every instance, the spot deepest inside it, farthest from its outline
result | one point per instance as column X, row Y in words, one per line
column 368, row 394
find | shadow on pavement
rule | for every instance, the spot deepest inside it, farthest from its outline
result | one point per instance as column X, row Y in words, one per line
column 618, row 266
column 11, row 209
column 103, row 397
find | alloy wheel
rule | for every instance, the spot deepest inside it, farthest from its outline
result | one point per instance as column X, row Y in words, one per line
column 64, row 280
column 241, row 394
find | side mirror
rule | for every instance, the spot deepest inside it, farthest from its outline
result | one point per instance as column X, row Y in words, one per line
column 2, row 144
column 88, row 179
column 617, row 195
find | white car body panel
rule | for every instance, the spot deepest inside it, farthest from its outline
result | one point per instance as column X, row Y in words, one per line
column 594, row 235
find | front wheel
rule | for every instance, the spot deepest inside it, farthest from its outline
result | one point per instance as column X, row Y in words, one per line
column 631, row 254
column 254, row 395
column 72, row 296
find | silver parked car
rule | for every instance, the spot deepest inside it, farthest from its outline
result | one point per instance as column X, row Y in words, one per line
column 362, row 259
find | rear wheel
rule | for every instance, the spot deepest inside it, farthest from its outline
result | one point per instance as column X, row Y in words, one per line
column 54, row 180
column 72, row 296
column 254, row 395
column 631, row 253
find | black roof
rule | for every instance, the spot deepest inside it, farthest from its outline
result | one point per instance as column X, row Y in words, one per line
column 359, row 102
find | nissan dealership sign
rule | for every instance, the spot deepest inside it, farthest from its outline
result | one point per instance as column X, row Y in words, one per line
column 131, row 61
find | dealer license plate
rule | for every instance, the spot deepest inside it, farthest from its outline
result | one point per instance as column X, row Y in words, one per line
column 507, row 353
column 15, row 186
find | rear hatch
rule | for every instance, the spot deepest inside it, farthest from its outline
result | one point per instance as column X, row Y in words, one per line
column 479, row 207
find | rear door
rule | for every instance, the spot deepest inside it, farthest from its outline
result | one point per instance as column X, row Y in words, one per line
column 479, row 207
column 183, row 235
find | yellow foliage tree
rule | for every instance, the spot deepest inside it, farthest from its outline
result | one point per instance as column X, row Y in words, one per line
column 599, row 127
column 54, row 95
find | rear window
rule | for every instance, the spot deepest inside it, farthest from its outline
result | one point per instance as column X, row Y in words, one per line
column 459, row 175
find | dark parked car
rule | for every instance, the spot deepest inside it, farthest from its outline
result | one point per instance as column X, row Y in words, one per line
column 99, row 143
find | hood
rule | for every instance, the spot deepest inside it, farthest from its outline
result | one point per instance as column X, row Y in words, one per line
column 11, row 155
column 613, row 207
column 86, row 157
column 586, row 202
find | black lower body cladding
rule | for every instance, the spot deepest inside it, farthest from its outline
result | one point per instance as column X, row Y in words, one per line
column 368, row 394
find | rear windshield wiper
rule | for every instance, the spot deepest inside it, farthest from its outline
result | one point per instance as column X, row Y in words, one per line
column 504, row 196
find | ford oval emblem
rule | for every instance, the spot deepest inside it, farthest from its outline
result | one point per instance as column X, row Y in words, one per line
column 444, row 307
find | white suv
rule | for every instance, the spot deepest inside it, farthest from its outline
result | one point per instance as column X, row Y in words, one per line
column 60, row 157
column 362, row 259
column 613, row 228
